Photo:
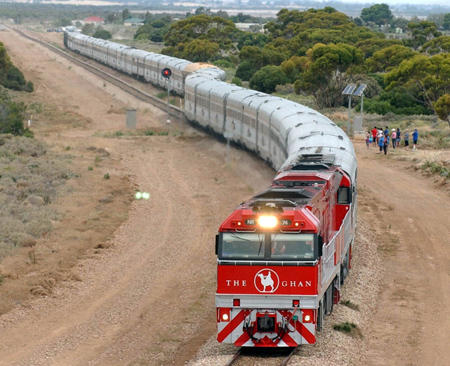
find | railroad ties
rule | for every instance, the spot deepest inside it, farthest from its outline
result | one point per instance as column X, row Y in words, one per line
column 244, row 356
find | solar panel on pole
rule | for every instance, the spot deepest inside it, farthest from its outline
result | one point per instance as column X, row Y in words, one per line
column 349, row 89
column 359, row 92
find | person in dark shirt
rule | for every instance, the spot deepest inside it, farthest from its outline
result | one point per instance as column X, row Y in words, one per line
column 415, row 136
column 406, row 139
column 386, row 143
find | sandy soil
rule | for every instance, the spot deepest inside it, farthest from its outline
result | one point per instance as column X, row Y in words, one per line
column 148, row 298
column 412, row 320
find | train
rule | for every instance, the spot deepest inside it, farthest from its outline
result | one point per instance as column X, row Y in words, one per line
column 282, row 255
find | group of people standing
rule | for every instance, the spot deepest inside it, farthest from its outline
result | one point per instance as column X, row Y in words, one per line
column 383, row 138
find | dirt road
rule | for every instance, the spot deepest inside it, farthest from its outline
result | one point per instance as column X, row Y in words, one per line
column 144, row 298
column 412, row 323
column 148, row 300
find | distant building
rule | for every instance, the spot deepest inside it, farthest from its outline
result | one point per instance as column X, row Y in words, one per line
column 250, row 27
column 133, row 22
column 93, row 20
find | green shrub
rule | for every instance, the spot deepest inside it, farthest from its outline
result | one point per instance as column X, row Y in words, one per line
column 246, row 70
column 344, row 327
column 436, row 168
column 12, row 116
column 350, row 305
column 223, row 63
column 236, row 81
column 267, row 78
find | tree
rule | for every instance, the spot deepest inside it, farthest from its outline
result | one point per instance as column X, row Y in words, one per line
column 372, row 45
column 325, row 72
column 246, row 70
column 426, row 78
column 115, row 17
column 442, row 108
column 437, row 45
column 267, row 78
column 153, row 29
column 379, row 14
column 211, row 28
column 388, row 57
column 125, row 14
column 200, row 50
column 88, row 29
column 102, row 33
column 446, row 23
column 421, row 33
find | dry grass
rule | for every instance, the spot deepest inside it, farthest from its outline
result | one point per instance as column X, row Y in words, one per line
column 138, row 132
column 30, row 179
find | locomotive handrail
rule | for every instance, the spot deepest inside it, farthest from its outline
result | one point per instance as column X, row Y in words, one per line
column 267, row 263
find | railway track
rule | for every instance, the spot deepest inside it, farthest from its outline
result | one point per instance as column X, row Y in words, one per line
column 130, row 89
column 242, row 355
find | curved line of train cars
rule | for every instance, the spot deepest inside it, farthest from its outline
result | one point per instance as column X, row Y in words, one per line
column 282, row 255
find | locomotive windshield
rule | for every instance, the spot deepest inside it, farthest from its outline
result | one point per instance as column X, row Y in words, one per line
column 243, row 245
column 274, row 246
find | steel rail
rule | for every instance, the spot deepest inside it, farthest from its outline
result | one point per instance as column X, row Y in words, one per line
column 288, row 357
column 238, row 355
column 235, row 357
column 139, row 94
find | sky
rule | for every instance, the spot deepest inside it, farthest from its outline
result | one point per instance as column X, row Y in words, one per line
column 412, row 2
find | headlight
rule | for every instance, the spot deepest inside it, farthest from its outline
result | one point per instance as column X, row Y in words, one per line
column 267, row 222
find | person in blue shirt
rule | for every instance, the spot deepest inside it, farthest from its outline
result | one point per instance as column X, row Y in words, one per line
column 415, row 136
column 381, row 142
column 386, row 131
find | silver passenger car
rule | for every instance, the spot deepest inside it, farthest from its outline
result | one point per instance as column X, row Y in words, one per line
column 138, row 63
column 280, row 131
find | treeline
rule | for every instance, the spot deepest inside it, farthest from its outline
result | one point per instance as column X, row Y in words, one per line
column 320, row 51
column 60, row 14
column 10, row 76
column 12, row 114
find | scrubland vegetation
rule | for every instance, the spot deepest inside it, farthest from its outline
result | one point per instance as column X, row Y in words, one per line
column 30, row 178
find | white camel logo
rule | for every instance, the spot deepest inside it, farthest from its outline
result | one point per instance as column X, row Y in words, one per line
column 267, row 281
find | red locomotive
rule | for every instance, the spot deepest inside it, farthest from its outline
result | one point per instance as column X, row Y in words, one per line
column 282, row 257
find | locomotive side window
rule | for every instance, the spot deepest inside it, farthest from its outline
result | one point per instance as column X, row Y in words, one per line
column 344, row 196
column 292, row 246
column 242, row 246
